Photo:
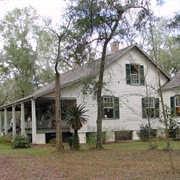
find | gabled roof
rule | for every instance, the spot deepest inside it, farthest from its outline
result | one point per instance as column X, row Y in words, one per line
column 173, row 83
column 82, row 72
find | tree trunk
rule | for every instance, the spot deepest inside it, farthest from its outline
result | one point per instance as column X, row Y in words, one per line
column 76, row 140
column 59, row 146
column 99, row 99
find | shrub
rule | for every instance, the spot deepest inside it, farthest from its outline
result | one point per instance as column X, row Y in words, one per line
column 91, row 139
column 143, row 134
column 21, row 141
column 154, row 146
column 6, row 139
column 73, row 142
column 52, row 141
column 174, row 131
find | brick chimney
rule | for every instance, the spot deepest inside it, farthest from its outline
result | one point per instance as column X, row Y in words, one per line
column 114, row 46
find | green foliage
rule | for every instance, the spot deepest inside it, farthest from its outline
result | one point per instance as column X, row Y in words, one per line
column 153, row 146
column 143, row 134
column 173, row 125
column 91, row 139
column 75, row 116
column 21, row 141
column 174, row 131
column 52, row 141
column 6, row 139
column 73, row 142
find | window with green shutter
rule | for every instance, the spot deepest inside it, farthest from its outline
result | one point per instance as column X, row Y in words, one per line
column 110, row 109
column 134, row 74
column 175, row 105
column 150, row 107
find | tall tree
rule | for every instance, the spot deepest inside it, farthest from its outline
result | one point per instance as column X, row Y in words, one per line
column 59, row 36
column 25, row 40
column 99, row 21
column 165, row 42
column 165, row 115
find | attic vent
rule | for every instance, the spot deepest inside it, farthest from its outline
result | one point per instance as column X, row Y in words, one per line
column 114, row 46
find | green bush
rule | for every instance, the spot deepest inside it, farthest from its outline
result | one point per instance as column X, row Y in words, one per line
column 92, row 139
column 6, row 139
column 174, row 131
column 73, row 142
column 21, row 141
column 154, row 146
column 144, row 134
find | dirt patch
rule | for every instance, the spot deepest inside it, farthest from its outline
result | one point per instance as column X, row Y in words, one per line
column 90, row 165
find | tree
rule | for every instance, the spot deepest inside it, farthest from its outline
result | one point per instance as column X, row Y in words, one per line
column 165, row 42
column 21, row 31
column 165, row 114
column 75, row 117
column 100, row 21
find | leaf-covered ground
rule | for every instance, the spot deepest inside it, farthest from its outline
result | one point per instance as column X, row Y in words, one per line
column 114, row 163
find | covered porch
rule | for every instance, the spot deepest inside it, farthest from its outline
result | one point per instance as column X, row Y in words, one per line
column 34, row 117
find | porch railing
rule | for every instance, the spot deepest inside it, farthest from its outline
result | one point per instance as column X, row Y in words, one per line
column 44, row 124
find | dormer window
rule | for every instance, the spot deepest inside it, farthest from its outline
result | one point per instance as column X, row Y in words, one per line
column 134, row 74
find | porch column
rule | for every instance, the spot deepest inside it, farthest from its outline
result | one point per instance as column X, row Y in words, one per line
column 14, row 121
column 0, row 125
column 5, row 122
column 22, row 119
column 34, row 128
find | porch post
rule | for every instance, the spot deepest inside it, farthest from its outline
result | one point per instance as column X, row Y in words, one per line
column 14, row 121
column 22, row 119
column 5, row 122
column 34, row 128
column 0, row 125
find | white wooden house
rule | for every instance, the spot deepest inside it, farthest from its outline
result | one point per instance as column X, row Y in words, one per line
column 130, row 89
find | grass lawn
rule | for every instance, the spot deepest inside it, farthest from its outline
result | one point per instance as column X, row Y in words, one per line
column 118, row 161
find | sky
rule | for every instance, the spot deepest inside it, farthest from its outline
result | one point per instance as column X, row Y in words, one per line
column 54, row 8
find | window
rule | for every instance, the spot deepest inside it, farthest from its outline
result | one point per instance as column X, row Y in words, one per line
column 134, row 74
column 150, row 107
column 175, row 105
column 110, row 107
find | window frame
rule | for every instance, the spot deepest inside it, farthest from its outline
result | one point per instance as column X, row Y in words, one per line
column 114, row 107
column 139, row 69
column 175, row 109
column 150, row 104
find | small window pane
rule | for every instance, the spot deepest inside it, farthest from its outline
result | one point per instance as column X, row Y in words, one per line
column 149, row 102
column 177, row 101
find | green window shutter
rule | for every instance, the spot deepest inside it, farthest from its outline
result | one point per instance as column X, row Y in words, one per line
column 128, row 72
column 143, row 108
column 116, row 108
column 172, row 106
column 141, row 70
column 157, row 107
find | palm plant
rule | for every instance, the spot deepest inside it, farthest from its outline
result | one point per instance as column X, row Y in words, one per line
column 75, row 117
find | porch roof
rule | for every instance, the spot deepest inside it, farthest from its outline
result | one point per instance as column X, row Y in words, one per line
column 174, row 83
column 82, row 72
